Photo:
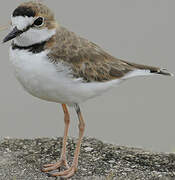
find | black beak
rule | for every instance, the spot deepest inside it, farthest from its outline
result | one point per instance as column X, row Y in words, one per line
column 15, row 32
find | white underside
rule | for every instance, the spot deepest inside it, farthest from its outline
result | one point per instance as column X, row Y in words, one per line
column 44, row 80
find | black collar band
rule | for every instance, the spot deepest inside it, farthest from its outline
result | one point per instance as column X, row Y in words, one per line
column 35, row 48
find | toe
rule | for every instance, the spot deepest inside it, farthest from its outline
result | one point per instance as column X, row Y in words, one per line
column 48, row 165
column 51, row 168
column 70, row 174
column 65, row 174
column 62, row 173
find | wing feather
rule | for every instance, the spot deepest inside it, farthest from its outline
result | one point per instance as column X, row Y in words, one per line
column 87, row 60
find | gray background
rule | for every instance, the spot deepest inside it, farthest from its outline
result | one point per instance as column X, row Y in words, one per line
column 140, row 112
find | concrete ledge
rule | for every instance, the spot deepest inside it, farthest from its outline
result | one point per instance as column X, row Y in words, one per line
column 21, row 159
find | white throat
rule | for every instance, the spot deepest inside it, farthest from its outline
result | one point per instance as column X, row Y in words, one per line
column 34, row 36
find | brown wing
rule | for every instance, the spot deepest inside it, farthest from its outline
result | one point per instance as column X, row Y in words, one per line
column 87, row 60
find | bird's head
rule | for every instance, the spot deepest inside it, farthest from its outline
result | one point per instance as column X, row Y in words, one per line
column 32, row 22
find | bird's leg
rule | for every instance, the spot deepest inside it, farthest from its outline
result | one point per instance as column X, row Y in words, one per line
column 62, row 161
column 71, row 171
column 67, row 122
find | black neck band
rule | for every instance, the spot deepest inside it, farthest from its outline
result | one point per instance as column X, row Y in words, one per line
column 35, row 48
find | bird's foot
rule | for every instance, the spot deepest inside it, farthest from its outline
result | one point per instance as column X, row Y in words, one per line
column 65, row 174
column 51, row 167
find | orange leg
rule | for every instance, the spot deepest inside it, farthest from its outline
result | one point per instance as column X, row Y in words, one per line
column 71, row 171
column 62, row 161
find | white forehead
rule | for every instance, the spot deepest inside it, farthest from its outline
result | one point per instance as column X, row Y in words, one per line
column 22, row 22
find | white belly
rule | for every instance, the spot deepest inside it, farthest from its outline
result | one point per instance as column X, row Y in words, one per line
column 43, row 79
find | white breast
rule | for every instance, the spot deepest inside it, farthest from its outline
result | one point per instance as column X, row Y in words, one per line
column 43, row 79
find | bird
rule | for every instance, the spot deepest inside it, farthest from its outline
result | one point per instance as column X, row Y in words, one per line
column 57, row 65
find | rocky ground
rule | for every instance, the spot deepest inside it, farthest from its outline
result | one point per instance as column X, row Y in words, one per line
column 21, row 159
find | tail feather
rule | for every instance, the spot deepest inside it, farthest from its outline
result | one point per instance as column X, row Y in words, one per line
column 152, row 69
column 163, row 72
column 144, row 70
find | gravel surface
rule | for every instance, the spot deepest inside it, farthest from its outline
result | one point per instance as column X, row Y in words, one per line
column 21, row 159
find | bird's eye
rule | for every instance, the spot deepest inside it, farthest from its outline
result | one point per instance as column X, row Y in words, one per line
column 39, row 22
